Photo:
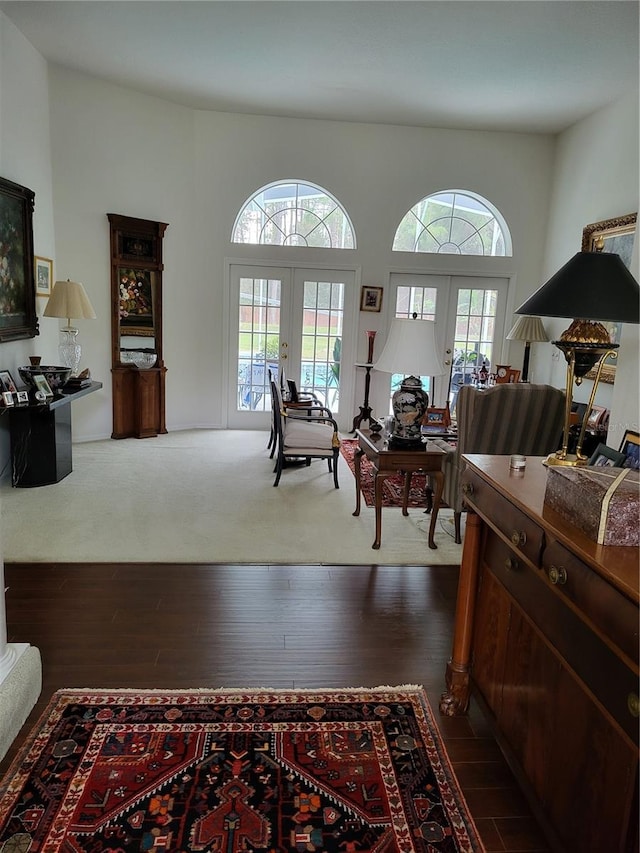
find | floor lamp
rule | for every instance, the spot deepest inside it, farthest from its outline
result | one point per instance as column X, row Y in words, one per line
column 529, row 330
column 598, row 288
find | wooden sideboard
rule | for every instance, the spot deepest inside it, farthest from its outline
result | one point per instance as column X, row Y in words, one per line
column 546, row 638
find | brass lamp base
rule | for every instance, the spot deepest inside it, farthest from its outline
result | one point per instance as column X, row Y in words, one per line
column 569, row 460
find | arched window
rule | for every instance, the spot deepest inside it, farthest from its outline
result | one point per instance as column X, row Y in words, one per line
column 455, row 222
column 292, row 213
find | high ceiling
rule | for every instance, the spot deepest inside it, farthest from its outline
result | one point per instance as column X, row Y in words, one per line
column 517, row 65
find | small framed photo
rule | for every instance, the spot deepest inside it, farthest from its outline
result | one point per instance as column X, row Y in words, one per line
column 370, row 298
column 630, row 448
column 7, row 398
column 23, row 398
column 597, row 418
column 607, row 457
column 513, row 375
column 6, row 381
column 43, row 269
column 42, row 385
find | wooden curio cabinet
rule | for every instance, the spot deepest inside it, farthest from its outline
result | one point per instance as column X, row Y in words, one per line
column 136, row 327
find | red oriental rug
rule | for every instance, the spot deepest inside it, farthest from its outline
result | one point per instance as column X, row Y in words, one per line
column 337, row 771
column 391, row 487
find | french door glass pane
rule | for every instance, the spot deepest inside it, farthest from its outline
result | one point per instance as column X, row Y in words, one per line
column 474, row 335
column 322, row 324
column 258, row 341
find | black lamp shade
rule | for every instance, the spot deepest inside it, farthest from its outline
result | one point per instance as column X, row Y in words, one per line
column 591, row 286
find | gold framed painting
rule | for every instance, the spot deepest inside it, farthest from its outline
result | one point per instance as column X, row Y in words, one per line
column 43, row 275
column 615, row 235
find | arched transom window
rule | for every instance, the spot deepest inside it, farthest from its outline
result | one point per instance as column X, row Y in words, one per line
column 292, row 213
column 454, row 222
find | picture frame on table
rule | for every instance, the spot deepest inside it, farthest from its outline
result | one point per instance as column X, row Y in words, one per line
column 42, row 385
column 630, row 448
column 615, row 235
column 597, row 419
column 43, row 274
column 606, row 457
column 6, row 381
column 18, row 318
column 513, row 375
column 23, row 398
column 7, row 398
column 371, row 298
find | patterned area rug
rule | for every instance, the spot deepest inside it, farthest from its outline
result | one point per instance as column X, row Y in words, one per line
column 391, row 487
column 337, row 771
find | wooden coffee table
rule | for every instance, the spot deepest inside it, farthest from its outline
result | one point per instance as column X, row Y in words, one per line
column 387, row 461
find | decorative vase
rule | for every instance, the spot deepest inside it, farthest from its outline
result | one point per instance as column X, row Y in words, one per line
column 409, row 402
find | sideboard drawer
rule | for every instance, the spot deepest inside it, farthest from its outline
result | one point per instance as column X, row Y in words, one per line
column 612, row 614
column 523, row 533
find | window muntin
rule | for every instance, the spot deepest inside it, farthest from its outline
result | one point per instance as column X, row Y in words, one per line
column 454, row 223
column 292, row 213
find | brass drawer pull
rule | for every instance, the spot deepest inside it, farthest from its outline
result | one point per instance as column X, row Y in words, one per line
column 467, row 489
column 510, row 564
column 519, row 537
column 633, row 703
column 557, row 575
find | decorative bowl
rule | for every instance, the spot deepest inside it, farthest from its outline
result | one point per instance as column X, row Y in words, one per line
column 142, row 360
column 55, row 375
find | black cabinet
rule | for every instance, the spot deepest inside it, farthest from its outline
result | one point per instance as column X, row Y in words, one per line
column 41, row 439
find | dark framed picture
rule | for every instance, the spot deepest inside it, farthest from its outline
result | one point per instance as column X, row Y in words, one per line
column 630, row 449
column 44, row 276
column 17, row 290
column 136, row 301
column 611, row 235
column 6, row 381
column 370, row 298
column 607, row 457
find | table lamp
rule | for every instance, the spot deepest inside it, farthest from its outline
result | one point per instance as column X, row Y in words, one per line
column 595, row 287
column 410, row 349
column 527, row 329
column 69, row 299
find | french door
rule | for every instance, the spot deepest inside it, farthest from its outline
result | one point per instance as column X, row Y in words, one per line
column 469, row 313
column 289, row 320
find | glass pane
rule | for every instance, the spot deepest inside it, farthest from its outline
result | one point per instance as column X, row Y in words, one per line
column 322, row 341
column 258, row 341
column 451, row 223
column 292, row 214
column 475, row 332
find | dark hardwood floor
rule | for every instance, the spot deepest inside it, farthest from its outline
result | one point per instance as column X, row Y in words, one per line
column 180, row 626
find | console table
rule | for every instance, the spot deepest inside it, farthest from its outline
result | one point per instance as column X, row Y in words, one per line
column 546, row 637
column 387, row 461
column 41, row 438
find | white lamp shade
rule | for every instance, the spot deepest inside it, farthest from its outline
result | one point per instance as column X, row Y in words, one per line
column 411, row 349
column 528, row 329
column 69, row 299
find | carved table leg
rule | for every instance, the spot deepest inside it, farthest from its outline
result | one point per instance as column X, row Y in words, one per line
column 455, row 700
column 357, row 459
column 438, row 476
column 378, row 481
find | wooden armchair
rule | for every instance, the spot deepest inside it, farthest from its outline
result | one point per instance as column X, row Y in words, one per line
column 504, row 419
column 301, row 434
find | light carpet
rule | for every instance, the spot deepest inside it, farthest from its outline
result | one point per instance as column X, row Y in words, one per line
column 206, row 496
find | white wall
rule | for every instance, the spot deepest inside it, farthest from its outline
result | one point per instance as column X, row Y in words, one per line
column 25, row 158
column 596, row 177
